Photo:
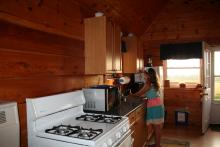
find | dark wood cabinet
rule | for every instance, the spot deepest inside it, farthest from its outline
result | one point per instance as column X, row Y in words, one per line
column 138, row 126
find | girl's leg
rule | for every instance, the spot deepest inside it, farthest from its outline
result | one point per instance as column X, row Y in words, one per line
column 149, row 133
column 158, row 132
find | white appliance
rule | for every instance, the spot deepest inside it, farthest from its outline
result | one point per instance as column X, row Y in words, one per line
column 9, row 125
column 59, row 121
column 100, row 98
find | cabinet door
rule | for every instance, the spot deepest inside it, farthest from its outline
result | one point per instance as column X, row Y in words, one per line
column 130, row 57
column 140, row 58
column 140, row 132
column 140, row 128
column 109, row 47
column 113, row 60
column 132, row 118
column 117, row 62
column 102, row 46
column 95, row 45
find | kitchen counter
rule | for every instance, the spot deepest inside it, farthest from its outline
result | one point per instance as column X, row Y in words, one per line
column 124, row 107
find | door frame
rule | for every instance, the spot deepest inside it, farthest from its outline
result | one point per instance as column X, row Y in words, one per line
column 207, row 86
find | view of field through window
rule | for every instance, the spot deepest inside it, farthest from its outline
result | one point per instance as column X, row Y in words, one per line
column 183, row 71
column 217, row 75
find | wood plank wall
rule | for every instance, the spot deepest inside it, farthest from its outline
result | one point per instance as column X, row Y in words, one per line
column 41, row 52
column 182, row 21
column 55, row 16
column 188, row 99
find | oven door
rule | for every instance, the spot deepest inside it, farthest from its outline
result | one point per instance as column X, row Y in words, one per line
column 126, row 141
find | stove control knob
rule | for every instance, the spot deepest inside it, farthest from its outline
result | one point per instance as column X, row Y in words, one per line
column 118, row 135
column 124, row 129
column 104, row 145
column 109, row 141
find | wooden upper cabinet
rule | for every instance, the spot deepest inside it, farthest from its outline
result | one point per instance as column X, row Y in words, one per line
column 140, row 56
column 117, row 62
column 130, row 56
column 133, row 58
column 102, row 46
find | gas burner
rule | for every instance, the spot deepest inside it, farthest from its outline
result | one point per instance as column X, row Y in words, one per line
column 87, row 134
column 99, row 118
column 61, row 130
column 74, row 131
column 89, row 117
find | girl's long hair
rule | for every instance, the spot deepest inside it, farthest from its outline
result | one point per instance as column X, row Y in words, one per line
column 154, row 79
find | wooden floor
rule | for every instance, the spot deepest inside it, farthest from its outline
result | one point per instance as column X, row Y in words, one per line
column 196, row 139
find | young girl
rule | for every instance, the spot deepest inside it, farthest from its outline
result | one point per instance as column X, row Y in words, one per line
column 154, row 106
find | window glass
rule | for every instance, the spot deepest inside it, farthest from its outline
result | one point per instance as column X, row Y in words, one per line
column 183, row 63
column 183, row 71
column 184, row 75
column 217, row 88
column 217, row 63
column 217, row 75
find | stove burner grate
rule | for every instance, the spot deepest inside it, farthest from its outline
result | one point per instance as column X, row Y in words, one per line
column 99, row 118
column 74, row 131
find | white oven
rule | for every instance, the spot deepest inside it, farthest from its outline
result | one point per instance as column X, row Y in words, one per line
column 59, row 120
column 127, row 141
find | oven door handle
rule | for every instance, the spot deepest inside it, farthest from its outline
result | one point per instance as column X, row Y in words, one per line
column 124, row 138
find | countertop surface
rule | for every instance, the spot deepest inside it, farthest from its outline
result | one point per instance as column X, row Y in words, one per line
column 125, row 106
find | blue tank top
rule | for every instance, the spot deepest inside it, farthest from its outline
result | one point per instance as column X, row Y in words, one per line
column 152, row 93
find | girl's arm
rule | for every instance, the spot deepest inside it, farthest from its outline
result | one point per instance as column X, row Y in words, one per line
column 143, row 90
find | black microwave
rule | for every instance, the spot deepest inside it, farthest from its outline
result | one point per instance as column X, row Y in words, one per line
column 100, row 98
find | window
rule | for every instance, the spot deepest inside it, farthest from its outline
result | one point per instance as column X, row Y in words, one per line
column 183, row 71
column 217, row 75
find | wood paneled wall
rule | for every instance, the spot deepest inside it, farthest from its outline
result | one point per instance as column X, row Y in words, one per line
column 64, row 17
column 41, row 51
column 188, row 99
column 182, row 21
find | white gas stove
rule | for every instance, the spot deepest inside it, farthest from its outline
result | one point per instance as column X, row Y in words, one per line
column 59, row 121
